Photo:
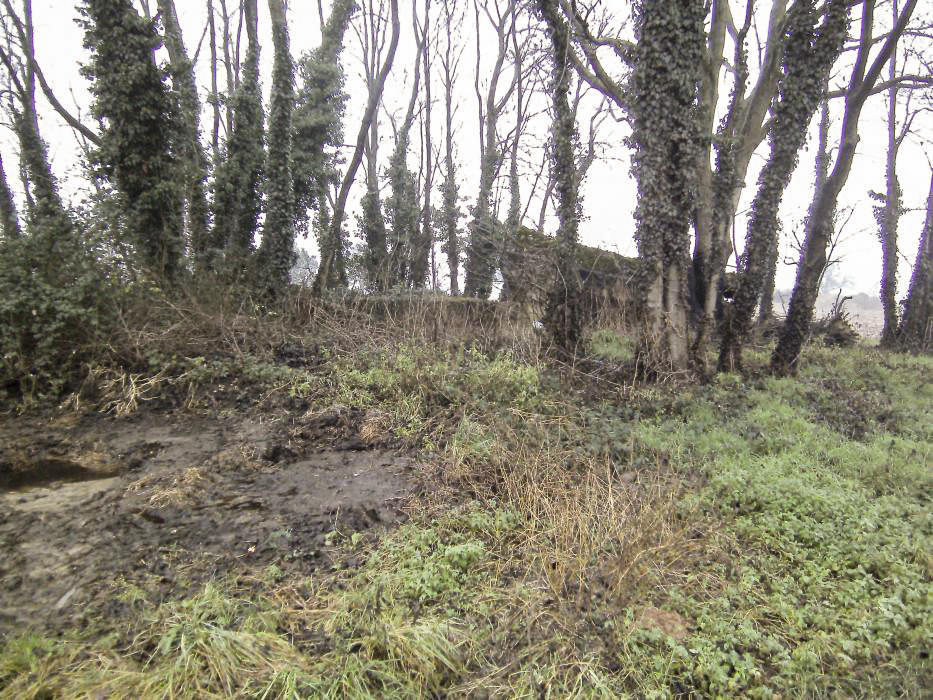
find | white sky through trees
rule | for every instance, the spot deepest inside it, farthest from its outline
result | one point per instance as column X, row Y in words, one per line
column 609, row 190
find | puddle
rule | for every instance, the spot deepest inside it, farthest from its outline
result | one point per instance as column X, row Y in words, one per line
column 47, row 471
column 53, row 483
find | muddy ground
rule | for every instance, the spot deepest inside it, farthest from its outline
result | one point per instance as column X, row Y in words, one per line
column 166, row 500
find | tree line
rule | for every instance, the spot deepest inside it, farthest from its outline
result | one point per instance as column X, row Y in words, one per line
column 210, row 183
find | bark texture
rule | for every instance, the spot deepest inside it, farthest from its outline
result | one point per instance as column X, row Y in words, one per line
column 666, row 136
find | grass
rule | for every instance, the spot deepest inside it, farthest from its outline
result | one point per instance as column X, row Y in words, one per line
column 782, row 528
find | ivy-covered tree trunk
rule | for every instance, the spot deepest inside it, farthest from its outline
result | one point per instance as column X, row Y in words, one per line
column 237, row 200
column 738, row 136
column 562, row 313
column 402, row 206
column 766, row 304
column 513, row 218
column 189, row 141
column 372, row 220
column 480, row 265
column 131, row 98
column 318, row 122
column 666, row 136
column 888, row 219
column 451, row 224
column 811, row 48
column 402, row 211
column 45, row 216
column 889, row 213
column 277, row 251
column 915, row 332
column 373, row 230
column 9, row 220
column 819, row 232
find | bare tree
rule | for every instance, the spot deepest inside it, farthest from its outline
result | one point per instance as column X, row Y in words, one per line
column 45, row 212
column 24, row 31
column 372, row 33
column 450, row 65
column 481, row 263
column 423, row 245
column 528, row 74
column 330, row 274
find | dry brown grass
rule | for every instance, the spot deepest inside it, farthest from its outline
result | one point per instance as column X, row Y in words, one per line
column 595, row 530
column 376, row 426
column 163, row 490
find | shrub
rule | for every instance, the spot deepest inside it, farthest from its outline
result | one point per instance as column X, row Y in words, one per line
column 52, row 316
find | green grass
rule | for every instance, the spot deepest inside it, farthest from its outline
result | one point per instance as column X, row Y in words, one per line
column 829, row 578
column 786, row 523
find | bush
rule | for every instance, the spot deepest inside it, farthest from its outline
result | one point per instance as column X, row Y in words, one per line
column 54, row 310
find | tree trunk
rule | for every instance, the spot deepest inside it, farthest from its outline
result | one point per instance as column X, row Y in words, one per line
column 891, row 212
column 766, row 305
column 741, row 133
column 45, row 213
column 421, row 252
column 237, row 180
column 481, row 252
column 704, row 259
column 449, row 63
column 231, row 75
column 182, row 71
column 277, row 251
column 215, row 94
column 513, row 219
column 372, row 220
column 667, row 139
column 809, row 54
column 402, row 206
column 9, row 221
column 813, row 257
column 141, row 119
column 562, row 315
column 331, row 273
column 916, row 330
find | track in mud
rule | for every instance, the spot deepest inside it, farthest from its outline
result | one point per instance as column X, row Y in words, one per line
column 167, row 502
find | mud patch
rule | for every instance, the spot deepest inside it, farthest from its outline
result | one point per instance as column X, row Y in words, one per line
column 169, row 502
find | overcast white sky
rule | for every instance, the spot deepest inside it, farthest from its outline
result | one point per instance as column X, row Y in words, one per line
column 609, row 191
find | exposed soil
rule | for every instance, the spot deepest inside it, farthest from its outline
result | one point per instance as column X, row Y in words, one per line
column 90, row 504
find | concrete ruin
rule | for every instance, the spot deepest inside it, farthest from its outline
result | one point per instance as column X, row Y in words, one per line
column 527, row 265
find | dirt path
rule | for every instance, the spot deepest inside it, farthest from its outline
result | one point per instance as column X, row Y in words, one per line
column 169, row 501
